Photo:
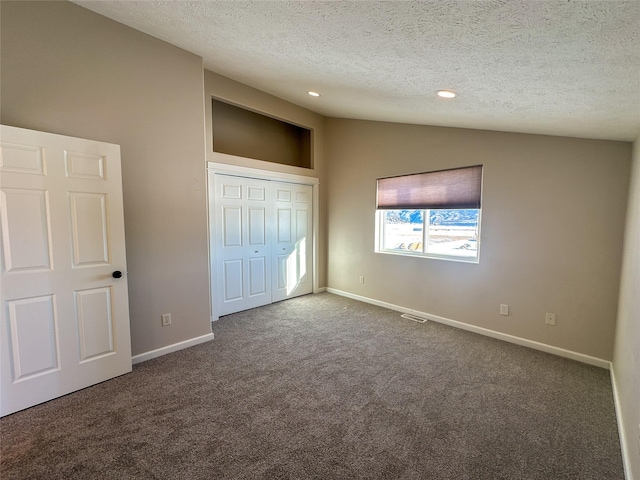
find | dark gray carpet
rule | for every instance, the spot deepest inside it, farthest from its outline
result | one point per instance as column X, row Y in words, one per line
column 323, row 387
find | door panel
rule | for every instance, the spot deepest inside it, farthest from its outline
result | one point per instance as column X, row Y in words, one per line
column 284, row 225
column 88, row 213
column 256, row 193
column 95, row 322
column 257, row 276
column 82, row 165
column 283, row 194
column 33, row 341
column 232, row 226
column 64, row 320
column 233, row 280
column 292, row 257
column 281, row 273
column 257, row 226
column 303, row 227
column 242, row 233
column 21, row 159
column 25, row 218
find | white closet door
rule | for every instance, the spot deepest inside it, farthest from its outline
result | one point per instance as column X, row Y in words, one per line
column 292, row 243
column 64, row 316
column 243, row 207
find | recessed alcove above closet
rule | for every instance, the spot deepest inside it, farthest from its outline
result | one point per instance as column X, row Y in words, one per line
column 245, row 133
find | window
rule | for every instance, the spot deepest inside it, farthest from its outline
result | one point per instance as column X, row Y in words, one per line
column 434, row 214
column 443, row 232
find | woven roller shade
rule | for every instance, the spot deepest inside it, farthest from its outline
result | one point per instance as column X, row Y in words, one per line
column 455, row 188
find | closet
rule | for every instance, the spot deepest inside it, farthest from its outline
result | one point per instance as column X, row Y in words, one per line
column 261, row 238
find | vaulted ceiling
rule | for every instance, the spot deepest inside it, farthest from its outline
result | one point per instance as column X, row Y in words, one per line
column 556, row 67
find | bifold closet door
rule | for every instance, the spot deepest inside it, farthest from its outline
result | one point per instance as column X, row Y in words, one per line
column 262, row 242
column 243, row 270
column 292, row 243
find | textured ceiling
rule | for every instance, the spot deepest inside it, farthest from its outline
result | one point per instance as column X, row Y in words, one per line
column 537, row 66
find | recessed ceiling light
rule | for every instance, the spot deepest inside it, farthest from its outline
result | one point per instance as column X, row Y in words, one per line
column 446, row 94
column 314, row 94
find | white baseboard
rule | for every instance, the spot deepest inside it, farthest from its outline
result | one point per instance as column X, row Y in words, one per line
column 580, row 357
column 143, row 357
column 320, row 290
column 624, row 446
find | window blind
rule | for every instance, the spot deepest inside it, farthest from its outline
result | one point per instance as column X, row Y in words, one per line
column 454, row 188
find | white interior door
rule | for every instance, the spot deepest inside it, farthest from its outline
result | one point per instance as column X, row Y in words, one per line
column 64, row 316
column 243, row 209
column 291, row 245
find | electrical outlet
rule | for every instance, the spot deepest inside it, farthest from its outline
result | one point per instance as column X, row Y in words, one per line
column 361, row 279
column 166, row 319
column 550, row 319
column 504, row 309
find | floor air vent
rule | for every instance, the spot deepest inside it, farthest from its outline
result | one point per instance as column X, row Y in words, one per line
column 414, row 318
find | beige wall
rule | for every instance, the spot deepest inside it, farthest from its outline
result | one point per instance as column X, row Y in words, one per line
column 553, row 211
column 553, row 207
column 244, row 133
column 69, row 71
column 222, row 88
column 552, row 227
column 626, row 357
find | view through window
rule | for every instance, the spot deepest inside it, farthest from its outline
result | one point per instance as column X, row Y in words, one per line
column 437, row 232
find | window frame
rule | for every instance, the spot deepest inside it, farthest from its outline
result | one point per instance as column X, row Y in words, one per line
column 380, row 231
column 458, row 188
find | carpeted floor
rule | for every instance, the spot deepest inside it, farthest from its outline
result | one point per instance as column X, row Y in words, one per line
column 323, row 387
